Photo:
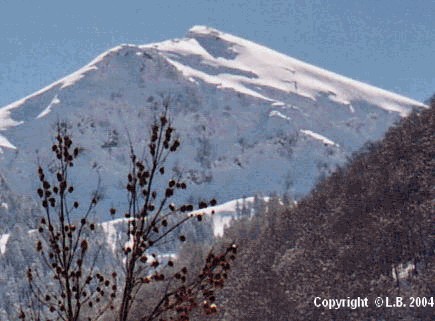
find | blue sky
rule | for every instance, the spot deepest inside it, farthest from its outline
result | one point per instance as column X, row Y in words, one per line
column 387, row 43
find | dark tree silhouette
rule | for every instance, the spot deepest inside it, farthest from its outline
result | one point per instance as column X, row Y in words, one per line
column 151, row 219
column 74, row 288
column 63, row 244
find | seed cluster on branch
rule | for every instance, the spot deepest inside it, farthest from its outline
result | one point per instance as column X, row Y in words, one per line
column 151, row 219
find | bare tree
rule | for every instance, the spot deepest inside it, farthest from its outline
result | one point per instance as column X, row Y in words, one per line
column 152, row 220
column 75, row 287
column 63, row 244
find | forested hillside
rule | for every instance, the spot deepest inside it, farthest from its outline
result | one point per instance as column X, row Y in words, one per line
column 366, row 231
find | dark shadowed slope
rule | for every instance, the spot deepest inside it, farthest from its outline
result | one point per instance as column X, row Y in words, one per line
column 366, row 231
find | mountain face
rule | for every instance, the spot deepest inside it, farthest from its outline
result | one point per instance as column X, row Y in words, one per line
column 251, row 120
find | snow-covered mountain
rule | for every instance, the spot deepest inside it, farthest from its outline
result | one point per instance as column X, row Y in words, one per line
column 251, row 120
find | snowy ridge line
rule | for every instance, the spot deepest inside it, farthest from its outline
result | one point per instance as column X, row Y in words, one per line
column 275, row 113
column 274, row 69
column 319, row 137
column 228, row 209
column 45, row 112
column 245, row 48
column 67, row 80
column 219, row 82
column 6, row 120
column 219, row 223
column 4, row 142
column 200, row 29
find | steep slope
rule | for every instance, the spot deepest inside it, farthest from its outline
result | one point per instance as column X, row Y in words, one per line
column 251, row 120
column 366, row 231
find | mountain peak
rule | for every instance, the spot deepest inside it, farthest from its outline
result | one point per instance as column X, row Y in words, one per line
column 201, row 29
column 233, row 63
column 244, row 111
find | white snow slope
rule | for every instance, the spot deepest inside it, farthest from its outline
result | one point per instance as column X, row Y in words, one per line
column 251, row 120
column 3, row 241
